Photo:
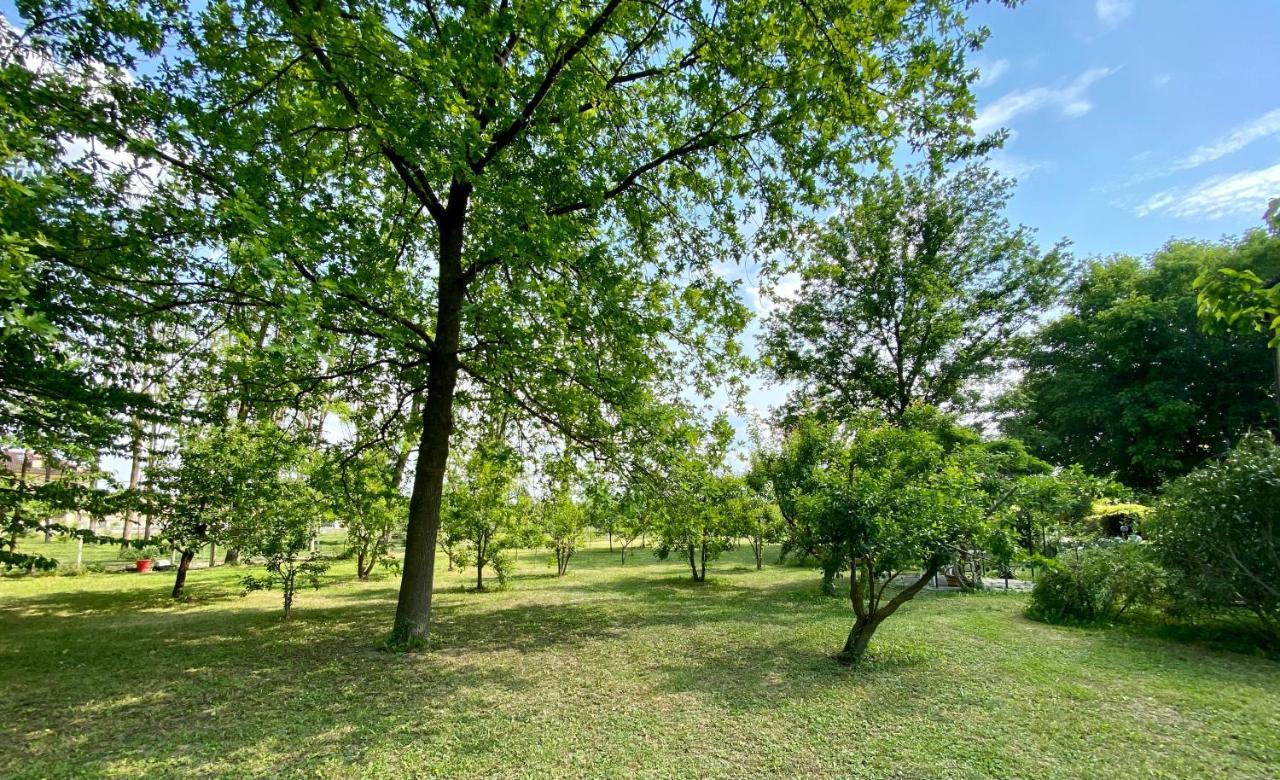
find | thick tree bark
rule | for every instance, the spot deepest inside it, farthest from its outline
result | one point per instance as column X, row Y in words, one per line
column 183, row 565
column 232, row 557
column 413, row 609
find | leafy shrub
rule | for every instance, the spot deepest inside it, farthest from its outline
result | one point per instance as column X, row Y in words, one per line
column 1099, row 585
column 1215, row 531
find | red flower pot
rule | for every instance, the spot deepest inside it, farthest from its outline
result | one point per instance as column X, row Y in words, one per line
column 144, row 565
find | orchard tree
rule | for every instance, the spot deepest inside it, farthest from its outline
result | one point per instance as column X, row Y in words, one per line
column 361, row 491
column 530, row 198
column 880, row 501
column 626, row 509
column 761, row 520
column 280, row 533
column 222, row 485
column 562, row 521
column 916, row 290
column 701, row 502
column 487, row 508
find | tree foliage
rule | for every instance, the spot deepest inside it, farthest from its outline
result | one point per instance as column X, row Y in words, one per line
column 526, row 198
column 916, row 289
column 1125, row 382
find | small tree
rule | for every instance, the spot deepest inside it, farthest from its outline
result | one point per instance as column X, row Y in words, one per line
column 761, row 519
column 280, row 534
column 700, row 502
column 1216, row 531
column 878, row 502
column 562, row 520
column 226, row 481
column 358, row 490
column 485, row 508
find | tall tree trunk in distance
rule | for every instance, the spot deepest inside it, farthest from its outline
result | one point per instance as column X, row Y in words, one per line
column 183, row 565
column 413, row 609
column 232, row 558
column 213, row 555
column 79, row 540
column 151, row 454
column 135, row 473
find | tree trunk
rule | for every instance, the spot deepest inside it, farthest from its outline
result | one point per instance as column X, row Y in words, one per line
column 151, row 453
column 213, row 554
column 135, row 473
column 859, row 637
column 232, row 557
column 79, row 540
column 48, row 521
column 866, row 621
column 289, row 581
column 361, row 574
column 610, row 540
column 183, row 565
column 479, row 573
column 413, row 609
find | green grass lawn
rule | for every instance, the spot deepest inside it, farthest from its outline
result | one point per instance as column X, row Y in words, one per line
column 611, row 671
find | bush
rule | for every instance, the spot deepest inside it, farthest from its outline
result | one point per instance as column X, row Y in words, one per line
column 1215, row 531
column 1099, row 585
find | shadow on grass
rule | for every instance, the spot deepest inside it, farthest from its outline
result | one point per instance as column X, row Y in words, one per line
column 179, row 690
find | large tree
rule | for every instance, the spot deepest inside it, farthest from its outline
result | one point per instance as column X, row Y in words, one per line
column 528, row 198
column 914, row 291
column 1126, row 382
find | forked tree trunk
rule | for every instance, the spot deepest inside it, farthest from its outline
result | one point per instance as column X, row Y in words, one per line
column 859, row 638
column 183, row 565
column 867, row 620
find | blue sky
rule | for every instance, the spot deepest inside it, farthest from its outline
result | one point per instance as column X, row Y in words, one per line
column 1134, row 121
column 1131, row 122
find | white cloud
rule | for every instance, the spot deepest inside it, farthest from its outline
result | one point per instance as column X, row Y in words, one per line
column 1161, row 80
column 1241, row 136
column 1071, row 100
column 1015, row 166
column 1218, row 196
column 1113, row 12
column 990, row 72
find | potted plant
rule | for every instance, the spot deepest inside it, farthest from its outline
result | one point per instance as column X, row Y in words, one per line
column 145, row 556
